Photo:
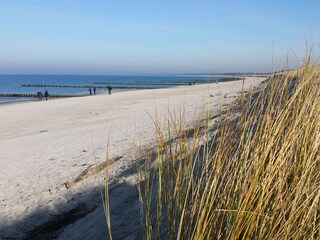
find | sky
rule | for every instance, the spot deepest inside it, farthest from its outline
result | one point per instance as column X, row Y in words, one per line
column 137, row 37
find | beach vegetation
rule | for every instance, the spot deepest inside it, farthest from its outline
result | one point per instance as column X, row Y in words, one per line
column 251, row 172
column 256, row 175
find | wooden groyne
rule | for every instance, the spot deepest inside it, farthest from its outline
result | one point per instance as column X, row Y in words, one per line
column 173, row 83
column 144, row 83
column 82, row 86
column 141, row 84
column 193, row 81
column 27, row 95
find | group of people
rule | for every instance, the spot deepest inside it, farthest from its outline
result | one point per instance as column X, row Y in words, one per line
column 94, row 90
column 40, row 95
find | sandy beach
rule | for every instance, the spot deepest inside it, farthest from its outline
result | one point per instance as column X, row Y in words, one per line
column 45, row 144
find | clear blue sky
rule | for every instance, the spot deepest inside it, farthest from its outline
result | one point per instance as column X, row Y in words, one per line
column 153, row 37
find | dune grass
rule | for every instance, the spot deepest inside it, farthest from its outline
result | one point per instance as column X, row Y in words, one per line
column 258, row 177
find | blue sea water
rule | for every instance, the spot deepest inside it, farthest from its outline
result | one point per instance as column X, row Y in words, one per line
column 12, row 83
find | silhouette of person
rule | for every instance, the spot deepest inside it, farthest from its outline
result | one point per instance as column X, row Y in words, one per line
column 109, row 89
column 39, row 95
column 90, row 91
column 94, row 91
column 46, row 94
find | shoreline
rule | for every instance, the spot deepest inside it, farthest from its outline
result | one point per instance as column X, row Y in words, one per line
column 34, row 99
column 51, row 142
column 225, row 78
column 2, row 103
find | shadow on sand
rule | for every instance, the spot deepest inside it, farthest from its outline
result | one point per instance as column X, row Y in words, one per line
column 84, row 218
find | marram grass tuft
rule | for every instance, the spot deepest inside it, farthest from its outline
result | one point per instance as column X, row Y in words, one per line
column 258, row 177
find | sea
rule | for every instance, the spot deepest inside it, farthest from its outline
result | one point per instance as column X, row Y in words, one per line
column 13, row 84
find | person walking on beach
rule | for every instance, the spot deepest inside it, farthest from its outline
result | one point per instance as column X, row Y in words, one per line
column 90, row 91
column 109, row 89
column 46, row 94
column 39, row 95
column 94, row 91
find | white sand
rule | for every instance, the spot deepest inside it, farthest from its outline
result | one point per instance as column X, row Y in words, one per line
column 44, row 144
